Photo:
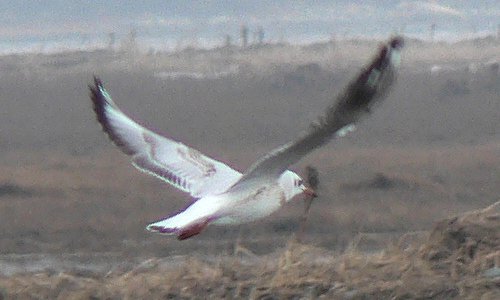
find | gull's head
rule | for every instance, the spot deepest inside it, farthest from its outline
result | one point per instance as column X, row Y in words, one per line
column 293, row 185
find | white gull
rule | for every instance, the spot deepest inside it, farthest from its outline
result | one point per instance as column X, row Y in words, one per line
column 223, row 195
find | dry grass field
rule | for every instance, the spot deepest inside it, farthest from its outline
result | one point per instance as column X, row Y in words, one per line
column 459, row 259
column 73, row 209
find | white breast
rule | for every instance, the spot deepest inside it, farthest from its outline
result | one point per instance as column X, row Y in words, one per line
column 253, row 205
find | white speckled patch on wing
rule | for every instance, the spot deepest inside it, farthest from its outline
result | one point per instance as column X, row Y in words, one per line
column 181, row 166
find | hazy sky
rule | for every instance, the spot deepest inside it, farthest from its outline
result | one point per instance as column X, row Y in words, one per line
column 206, row 22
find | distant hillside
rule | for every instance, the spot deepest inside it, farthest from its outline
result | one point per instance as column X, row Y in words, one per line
column 446, row 93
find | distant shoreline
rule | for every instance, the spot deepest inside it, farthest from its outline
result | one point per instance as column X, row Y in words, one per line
column 146, row 45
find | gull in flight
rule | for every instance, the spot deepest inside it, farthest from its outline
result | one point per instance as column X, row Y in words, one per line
column 221, row 194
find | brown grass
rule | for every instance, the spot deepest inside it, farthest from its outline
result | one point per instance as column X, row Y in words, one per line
column 442, row 267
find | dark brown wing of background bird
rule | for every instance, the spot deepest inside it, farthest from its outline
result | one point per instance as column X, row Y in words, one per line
column 312, row 180
column 368, row 88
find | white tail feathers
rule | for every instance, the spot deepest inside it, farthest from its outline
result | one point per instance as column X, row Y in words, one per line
column 171, row 226
column 186, row 223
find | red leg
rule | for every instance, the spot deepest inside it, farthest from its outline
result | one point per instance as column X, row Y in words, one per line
column 192, row 230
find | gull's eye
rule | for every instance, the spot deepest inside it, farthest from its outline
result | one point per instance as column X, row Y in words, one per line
column 299, row 182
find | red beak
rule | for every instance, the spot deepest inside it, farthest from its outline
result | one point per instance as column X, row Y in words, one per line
column 310, row 192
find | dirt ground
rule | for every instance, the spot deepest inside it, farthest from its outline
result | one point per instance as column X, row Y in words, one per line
column 460, row 258
column 73, row 209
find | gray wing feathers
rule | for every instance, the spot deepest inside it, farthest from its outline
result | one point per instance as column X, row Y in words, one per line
column 181, row 166
column 368, row 88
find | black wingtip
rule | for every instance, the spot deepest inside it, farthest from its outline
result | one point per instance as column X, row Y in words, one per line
column 373, row 83
column 96, row 96
column 98, row 82
column 381, row 62
column 99, row 103
column 397, row 42
column 95, row 90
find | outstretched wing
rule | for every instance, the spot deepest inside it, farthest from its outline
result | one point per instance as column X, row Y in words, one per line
column 368, row 88
column 173, row 162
